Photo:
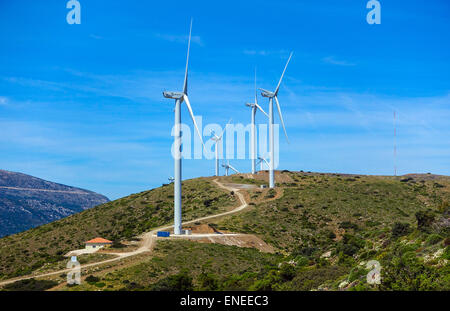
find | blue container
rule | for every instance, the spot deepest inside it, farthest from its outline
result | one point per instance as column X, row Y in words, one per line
column 163, row 234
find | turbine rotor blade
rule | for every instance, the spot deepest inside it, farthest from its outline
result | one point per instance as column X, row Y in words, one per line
column 281, row 118
column 186, row 99
column 279, row 82
column 259, row 107
column 185, row 85
column 256, row 90
column 233, row 169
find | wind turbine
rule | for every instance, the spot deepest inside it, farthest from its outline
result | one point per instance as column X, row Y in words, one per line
column 180, row 97
column 272, row 96
column 254, row 107
column 262, row 161
column 171, row 179
column 216, row 147
column 227, row 167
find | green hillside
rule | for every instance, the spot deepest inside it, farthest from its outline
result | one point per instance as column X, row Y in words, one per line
column 324, row 227
column 23, row 253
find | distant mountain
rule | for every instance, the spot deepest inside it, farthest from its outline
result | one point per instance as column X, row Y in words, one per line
column 27, row 202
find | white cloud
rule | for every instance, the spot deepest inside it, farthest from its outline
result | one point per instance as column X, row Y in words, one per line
column 96, row 37
column 179, row 38
column 265, row 52
column 333, row 61
column 3, row 100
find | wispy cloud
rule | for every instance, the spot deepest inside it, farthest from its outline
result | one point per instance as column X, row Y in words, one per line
column 3, row 101
column 265, row 52
column 96, row 37
column 180, row 38
column 334, row 61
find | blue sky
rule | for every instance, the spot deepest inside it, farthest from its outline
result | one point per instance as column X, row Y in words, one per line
column 82, row 104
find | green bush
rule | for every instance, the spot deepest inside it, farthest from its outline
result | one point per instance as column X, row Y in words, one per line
column 446, row 254
column 424, row 220
column 208, row 281
column 30, row 285
column 348, row 225
column 400, row 229
column 301, row 261
column 287, row 272
column 92, row 279
column 433, row 239
column 178, row 282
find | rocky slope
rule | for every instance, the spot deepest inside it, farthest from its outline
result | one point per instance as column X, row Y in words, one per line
column 27, row 201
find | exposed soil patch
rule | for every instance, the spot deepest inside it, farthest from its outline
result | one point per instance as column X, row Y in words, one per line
column 241, row 240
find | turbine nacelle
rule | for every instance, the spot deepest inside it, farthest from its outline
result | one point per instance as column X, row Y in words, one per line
column 215, row 137
column 266, row 93
column 173, row 95
column 251, row 105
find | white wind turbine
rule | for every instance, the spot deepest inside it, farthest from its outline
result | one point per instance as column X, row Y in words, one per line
column 180, row 97
column 254, row 107
column 227, row 167
column 216, row 140
column 271, row 96
column 262, row 161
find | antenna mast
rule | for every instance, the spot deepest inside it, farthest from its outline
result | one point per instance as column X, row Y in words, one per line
column 395, row 147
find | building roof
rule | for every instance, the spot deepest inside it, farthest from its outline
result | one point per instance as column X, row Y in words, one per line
column 98, row 240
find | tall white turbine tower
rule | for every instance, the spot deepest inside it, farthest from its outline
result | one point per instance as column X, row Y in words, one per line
column 271, row 96
column 254, row 107
column 216, row 140
column 180, row 97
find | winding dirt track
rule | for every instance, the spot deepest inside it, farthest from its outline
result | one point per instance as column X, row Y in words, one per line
column 147, row 239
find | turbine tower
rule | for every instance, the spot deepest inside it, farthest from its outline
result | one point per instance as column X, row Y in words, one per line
column 227, row 167
column 179, row 98
column 216, row 140
column 272, row 96
column 254, row 107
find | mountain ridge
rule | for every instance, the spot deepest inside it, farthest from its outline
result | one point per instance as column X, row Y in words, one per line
column 27, row 201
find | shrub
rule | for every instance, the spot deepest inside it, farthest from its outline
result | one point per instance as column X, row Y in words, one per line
column 305, row 251
column 270, row 194
column 208, row 281
column 301, row 261
column 433, row 239
column 404, row 271
column 350, row 245
column 287, row 272
column 117, row 244
column 92, row 279
column 178, row 282
column 30, row 285
column 348, row 225
column 400, row 229
column 424, row 220
column 446, row 254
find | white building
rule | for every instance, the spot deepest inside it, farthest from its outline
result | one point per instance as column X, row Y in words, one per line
column 97, row 243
